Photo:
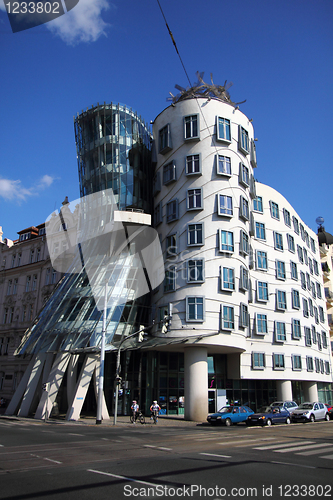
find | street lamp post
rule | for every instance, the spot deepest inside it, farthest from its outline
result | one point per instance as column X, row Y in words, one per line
column 102, row 359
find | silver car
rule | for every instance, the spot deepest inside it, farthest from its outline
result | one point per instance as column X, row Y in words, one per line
column 309, row 412
column 287, row 405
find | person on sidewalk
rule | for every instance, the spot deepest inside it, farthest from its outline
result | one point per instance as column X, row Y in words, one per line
column 135, row 410
column 155, row 409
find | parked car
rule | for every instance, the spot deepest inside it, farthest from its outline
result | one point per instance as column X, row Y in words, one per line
column 229, row 415
column 329, row 407
column 330, row 413
column 309, row 412
column 269, row 415
column 288, row 405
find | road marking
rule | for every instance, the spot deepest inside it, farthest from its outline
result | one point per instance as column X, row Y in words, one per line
column 121, row 477
column 72, row 434
column 315, row 452
column 105, row 439
column 156, row 447
column 271, row 446
column 296, row 465
column 301, row 447
column 217, row 436
column 243, row 441
column 330, row 457
column 149, row 446
column 43, row 458
column 213, row 455
column 162, row 448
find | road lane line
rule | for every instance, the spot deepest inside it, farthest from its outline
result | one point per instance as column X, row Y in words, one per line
column 296, row 465
column 249, row 441
column 330, row 457
column 315, row 452
column 122, row 477
column 214, row 455
column 271, row 446
column 163, row 448
column 54, row 461
column 301, row 447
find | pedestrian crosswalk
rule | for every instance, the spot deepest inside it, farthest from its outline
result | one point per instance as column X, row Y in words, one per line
column 300, row 447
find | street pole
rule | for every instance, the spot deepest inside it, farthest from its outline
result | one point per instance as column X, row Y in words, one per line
column 102, row 358
column 117, row 386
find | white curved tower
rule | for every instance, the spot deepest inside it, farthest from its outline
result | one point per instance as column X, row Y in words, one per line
column 234, row 276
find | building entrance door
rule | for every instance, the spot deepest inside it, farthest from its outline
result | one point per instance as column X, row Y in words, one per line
column 211, row 400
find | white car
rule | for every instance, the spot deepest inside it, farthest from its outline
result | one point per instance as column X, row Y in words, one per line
column 309, row 412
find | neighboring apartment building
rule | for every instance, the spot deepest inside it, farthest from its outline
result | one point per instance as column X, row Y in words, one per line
column 26, row 282
column 241, row 314
column 326, row 254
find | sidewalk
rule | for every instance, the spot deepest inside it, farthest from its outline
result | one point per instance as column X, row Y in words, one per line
column 163, row 421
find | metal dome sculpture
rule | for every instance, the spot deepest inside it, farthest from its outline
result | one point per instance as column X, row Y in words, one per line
column 202, row 89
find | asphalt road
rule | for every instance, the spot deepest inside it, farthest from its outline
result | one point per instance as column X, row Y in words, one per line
column 78, row 461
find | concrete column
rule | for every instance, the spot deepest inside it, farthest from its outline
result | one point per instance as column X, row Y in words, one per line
column 284, row 390
column 196, row 383
column 32, row 385
column 310, row 391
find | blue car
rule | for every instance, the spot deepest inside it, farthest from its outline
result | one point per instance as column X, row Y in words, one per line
column 229, row 415
column 269, row 415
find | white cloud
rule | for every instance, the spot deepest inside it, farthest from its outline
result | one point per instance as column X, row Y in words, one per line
column 14, row 190
column 83, row 23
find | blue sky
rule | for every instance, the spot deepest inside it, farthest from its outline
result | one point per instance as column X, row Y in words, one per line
column 278, row 54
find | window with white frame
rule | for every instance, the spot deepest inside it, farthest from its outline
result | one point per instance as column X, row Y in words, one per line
column 193, row 164
column 307, row 239
column 286, row 216
column 318, row 288
column 164, row 135
column 301, row 228
column 225, row 205
column 315, row 267
column 312, row 244
column 171, row 245
column 291, row 243
column 281, row 300
column 295, row 299
column 303, row 280
column 296, row 362
column 260, row 231
column 191, row 127
column 274, row 210
column 244, row 175
column 258, row 360
column 261, row 324
column 19, row 258
column 15, row 284
column 262, row 291
column 309, row 363
column 307, row 336
column 305, row 255
column 170, row 279
column 293, row 270
column 158, row 214
column 327, row 368
column 314, row 334
column 244, row 208
column 195, row 271
column 262, row 260
column 195, row 234
column 223, row 165
column 195, row 308
column 38, row 254
column 308, row 281
column 223, row 129
column 280, row 331
column 296, row 329
column 322, row 369
column 296, row 225
column 243, row 316
column 321, row 314
column 278, row 362
column 9, row 287
column 243, row 278
column 228, row 318
column 310, row 266
column 228, row 278
column 317, row 365
column 169, row 172
column 315, row 310
column 244, row 247
column 194, row 199
column 311, row 309
column 305, row 308
column 280, row 268
column 300, row 254
column 313, row 289
column 243, row 140
column 226, row 241
column 14, row 258
column 34, row 282
column 278, row 241
column 32, row 254
column 257, row 204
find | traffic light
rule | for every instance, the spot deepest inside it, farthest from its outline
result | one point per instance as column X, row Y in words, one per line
column 142, row 334
column 167, row 320
column 118, row 379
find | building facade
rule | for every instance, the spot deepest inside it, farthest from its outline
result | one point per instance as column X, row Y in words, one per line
column 241, row 314
column 27, row 280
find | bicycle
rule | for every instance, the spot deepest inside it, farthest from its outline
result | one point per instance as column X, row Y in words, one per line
column 137, row 416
